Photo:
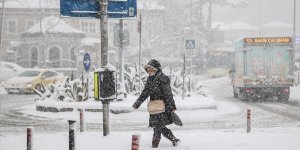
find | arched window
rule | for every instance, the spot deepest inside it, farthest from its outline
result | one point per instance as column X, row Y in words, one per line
column 34, row 56
column 54, row 57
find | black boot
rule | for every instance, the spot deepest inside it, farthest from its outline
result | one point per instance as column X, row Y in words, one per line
column 169, row 135
column 155, row 142
column 175, row 142
column 156, row 137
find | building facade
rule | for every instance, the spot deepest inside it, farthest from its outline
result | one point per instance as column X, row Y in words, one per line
column 34, row 35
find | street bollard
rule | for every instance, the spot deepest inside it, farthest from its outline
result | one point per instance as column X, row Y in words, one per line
column 71, row 134
column 248, row 120
column 29, row 138
column 81, row 114
column 135, row 144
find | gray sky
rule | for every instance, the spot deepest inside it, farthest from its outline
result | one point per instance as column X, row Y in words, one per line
column 271, row 10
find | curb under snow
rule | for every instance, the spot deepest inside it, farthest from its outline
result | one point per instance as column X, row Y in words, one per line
column 189, row 103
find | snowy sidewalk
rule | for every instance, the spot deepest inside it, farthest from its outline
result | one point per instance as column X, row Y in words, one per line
column 227, row 139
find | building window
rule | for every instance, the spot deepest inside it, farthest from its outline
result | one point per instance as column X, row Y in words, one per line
column 12, row 26
column 84, row 26
column 34, row 57
column 92, row 27
column 88, row 27
column 29, row 23
column 54, row 57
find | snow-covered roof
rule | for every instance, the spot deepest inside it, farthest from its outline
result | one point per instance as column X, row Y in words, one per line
column 89, row 41
column 149, row 5
column 218, row 25
column 225, row 49
column 32, row 4
column 278, row 24
column 53, row 24
column 236, row 25
column 237, row 3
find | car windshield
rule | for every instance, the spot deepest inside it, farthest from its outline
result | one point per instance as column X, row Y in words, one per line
column 29, row 74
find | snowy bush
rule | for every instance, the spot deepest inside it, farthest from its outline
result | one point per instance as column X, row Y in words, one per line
column 76, row 90
column 131, row 79
column 67, row 90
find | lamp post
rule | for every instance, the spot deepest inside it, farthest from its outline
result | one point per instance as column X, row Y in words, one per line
column 294, row 37
column 1, row 23
column 294, row 26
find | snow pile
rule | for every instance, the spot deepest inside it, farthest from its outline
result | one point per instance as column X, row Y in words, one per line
column 295, row 94
column 277, row 24
column 205, row 101
column 188, row 103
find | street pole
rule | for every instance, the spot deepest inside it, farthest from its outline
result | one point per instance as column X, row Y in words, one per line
column 121, row 53
column 294, row 27
column 140, row 53
column 183, row 74
column 1, row 23
column 104, row 59
column 191, row 69
column 294, row 39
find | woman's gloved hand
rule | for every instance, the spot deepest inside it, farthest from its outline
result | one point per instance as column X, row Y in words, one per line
column 134, row 106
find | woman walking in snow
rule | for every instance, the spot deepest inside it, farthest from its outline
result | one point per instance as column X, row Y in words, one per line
column 158, row 88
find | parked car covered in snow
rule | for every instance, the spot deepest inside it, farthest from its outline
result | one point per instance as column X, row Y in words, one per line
column 31, row 79
column 9, row 70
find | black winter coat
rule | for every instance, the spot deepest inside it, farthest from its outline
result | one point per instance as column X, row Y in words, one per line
column 158, row 88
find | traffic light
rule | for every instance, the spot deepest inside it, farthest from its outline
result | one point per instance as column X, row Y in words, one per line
column 105, row 85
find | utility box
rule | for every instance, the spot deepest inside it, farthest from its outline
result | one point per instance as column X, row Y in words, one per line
column 105, row 88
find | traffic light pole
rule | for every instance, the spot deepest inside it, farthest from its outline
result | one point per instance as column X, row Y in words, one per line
column 104, row 58
column 121, row 53
column 1, row 24
column 140, row 53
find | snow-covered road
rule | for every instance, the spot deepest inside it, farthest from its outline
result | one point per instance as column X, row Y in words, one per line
column 14, row 122
column 264, row 114
column 274, row 125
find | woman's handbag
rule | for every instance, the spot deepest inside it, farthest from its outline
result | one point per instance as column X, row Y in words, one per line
column 156, row 107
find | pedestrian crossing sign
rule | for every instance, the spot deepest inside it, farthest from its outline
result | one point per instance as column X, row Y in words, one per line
column 190, row 44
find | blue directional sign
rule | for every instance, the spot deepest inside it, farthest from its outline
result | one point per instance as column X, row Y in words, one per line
column 121, row 8
column 86, row 62
column 91, row 8
column 190, row 44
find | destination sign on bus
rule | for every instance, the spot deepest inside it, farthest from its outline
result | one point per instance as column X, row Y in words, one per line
column 267, row 40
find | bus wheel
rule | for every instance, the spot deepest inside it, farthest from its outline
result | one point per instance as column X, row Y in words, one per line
column 243, row 97
column 283, row 95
